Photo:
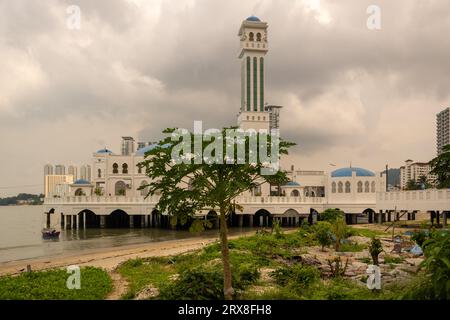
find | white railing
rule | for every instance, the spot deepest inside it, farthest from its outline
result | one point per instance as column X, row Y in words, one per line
column 155, row 199
column 425, row 200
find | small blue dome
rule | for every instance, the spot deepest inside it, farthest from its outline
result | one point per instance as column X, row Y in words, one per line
column 104, row 151
column 347, row 172
column 81, row 182
column 292, row 184
column 254, row 19
column 141, row 152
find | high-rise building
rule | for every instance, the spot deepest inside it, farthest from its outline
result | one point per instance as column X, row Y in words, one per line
column 254, row 47
column 48, row 169
column 414, row 171
column 443, row 129
column 60, row 170
column 51, row 182
column 127, row 146
column 85, row 173
column 72, row 170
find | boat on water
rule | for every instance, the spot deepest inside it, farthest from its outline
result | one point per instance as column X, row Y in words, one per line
column 50, row 234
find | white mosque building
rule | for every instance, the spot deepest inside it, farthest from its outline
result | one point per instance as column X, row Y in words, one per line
column 113, row 198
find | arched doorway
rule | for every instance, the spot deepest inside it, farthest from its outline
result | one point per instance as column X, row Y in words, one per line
column 118, row 219
column 370, row 215
column 262, row 218
column 120, row 188
column 89, row 218
column 79, row 192
column 295, row 193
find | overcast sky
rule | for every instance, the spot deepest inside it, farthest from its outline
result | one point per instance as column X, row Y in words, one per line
column 135, row 67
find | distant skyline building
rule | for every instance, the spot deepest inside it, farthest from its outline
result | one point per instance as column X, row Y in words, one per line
column 60, row 170
column 414, row 171
column 127, row 146
column 443, row 129
column 85, row 173
column 73, row 170
column 52, row 181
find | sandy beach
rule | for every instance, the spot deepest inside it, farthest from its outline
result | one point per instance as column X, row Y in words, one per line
column 109, row 259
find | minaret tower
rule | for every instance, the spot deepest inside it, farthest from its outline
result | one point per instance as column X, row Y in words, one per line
column 254, row 47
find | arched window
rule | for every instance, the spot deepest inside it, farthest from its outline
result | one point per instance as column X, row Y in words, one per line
column 360, row 187
column 139, row 169
column 99, row 173
column 333, row 187
column 348, row 187
column 295, row 193
column 120, row 188
column 373, row 187
column 340, row 187
column 79, row 193
column 115, row 168
column 125, row 168
column 367, row 187
column 251, row 36
column 258, row 37
column 144, row 192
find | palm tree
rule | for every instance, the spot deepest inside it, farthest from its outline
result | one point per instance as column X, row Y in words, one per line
column 441, row 168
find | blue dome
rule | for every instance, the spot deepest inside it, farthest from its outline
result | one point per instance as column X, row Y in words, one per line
column 292, row 184
column 103, row 151
column 347, row 172
column 141, row 152
column 81, row 182
column 254, row 19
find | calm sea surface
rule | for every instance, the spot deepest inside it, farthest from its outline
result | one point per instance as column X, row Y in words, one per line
column 20, row 236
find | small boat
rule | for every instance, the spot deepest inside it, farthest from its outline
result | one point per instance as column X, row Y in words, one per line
column 50, row 234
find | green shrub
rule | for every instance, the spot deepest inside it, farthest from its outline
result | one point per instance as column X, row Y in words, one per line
column 375, row 248
column 195, row 284
column 419, row 237
column 296, row 275
column 248, row 274
column 322, row 233
column 331, row 215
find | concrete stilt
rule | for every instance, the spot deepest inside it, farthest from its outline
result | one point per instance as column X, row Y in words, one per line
column 84, row 220
column 438, row 217
column 77, row 218
column 102, row 221
column 444, row 219
column 131, row 221
column 240, row 221
column 397, row 216
column 143, row 221
column 73, row 221
column 413, row 216
column 389, row 217
column 250, row 219
column 261, row 221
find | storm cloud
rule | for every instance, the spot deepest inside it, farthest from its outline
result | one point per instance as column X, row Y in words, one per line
column 135, row 67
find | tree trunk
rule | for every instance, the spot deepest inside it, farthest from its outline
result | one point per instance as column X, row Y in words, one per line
column 227, row 283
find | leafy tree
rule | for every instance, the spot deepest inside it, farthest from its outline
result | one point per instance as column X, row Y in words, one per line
column 437, row 263
column 322, row 233
column 339, row 229
column 412, row 185
column 192, row 186
column 424, row 183
column 440, row 167
column 375, row 248
column 331, row 215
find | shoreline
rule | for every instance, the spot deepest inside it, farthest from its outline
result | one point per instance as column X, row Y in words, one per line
column 110, row 258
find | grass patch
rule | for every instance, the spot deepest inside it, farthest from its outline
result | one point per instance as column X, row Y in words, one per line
column 368, row 233
column 352, row 247
column 141, row 273
column 393, row 260
column 51, row 285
